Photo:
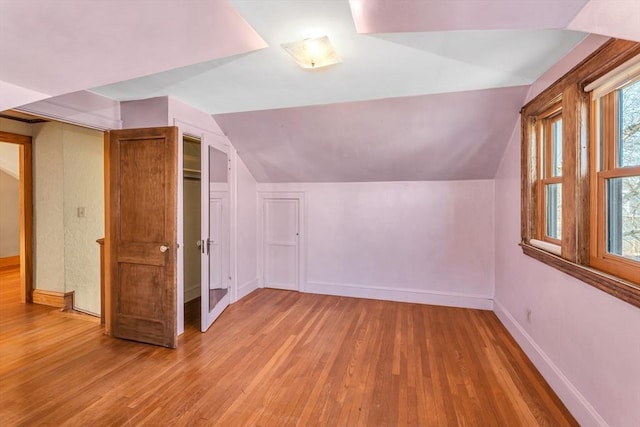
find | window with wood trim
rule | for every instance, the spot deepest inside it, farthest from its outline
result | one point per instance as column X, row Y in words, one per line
column 581, row 172
column 550, row 173
column 615, row 179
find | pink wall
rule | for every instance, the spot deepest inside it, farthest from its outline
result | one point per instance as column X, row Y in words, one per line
column 247, row 231
column 425, row 242
column 585, row 342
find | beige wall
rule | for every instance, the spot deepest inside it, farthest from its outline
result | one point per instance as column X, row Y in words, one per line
column 9, row 215
column 68, row 174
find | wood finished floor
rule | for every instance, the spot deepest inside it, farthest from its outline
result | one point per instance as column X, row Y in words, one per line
column 276, row 358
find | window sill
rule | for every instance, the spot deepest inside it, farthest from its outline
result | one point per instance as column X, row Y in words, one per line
column 619, row 288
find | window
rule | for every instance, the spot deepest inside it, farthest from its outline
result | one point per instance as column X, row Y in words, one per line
column 550, row 182
column 615, row 180
column 581, row 172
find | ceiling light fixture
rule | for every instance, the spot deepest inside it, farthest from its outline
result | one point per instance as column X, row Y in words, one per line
column 313, row 53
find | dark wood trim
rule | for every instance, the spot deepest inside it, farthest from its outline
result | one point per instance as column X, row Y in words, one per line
column 107, row 233
column 102, row 313
column 26, row 211
column 571, row 124
column 619, row 288
column 606, row 58
column 578, row 238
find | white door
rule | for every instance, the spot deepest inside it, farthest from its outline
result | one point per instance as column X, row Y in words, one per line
column 281, row 243
column 215, row 228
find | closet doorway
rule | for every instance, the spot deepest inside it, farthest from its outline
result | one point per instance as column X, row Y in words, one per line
column 191, row 183
column 206, row 230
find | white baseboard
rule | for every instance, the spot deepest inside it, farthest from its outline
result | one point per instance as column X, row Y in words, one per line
column 577, row 404
column 246, row 288
column 192, row 293
column 448, row 299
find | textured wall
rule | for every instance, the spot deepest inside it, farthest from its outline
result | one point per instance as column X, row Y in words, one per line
column 68, row 174
column 48, row 210
column 83, row 188
column 9, row 215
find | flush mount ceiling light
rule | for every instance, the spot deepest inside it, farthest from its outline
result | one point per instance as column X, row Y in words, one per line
column 313, row 53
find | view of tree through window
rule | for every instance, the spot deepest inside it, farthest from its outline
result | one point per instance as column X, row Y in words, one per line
column 624, row 193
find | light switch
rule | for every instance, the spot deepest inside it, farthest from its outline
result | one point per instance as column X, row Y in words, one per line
column 82, row 212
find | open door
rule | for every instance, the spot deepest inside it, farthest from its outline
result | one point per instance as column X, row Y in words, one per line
column 143, row 220
column 215, row 228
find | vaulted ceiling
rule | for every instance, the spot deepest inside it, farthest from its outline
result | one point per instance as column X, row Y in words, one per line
column 428, row 89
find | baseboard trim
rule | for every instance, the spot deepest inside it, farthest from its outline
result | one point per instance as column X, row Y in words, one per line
column 10, row 261
column 577, row 404
column 447, row 299
column 246, row 288
column 54, row 298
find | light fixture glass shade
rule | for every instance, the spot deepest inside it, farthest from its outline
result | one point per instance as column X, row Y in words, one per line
column 313, row 53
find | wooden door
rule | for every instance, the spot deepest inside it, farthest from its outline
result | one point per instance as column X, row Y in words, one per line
column 281, row 249
column 143, row 220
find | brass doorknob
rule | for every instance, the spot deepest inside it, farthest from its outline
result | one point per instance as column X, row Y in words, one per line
column 164, row 248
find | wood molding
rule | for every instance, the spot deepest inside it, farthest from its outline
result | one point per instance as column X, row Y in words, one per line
column 26, row 211
column 105, row 304
column 14, row 138
column 102, row 314
column 607, row 57
column 579, row 235
column 58, row 299
column 619, row 288
column 10, row 261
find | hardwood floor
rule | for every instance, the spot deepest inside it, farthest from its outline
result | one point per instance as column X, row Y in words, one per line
column 276, row 358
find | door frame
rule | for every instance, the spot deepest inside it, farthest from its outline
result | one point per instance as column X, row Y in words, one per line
column 215, row 140
column 26, row 211
column 302, row 242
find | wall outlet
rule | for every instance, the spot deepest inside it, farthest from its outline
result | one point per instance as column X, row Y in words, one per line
column 82, row 212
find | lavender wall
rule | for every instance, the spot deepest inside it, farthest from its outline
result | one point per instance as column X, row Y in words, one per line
column 585, row 342
column 425, row 242
column 247, row 231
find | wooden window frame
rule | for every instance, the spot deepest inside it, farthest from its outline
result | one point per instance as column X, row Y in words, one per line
column 576, row 246
column 600, row 258
column 544, row 165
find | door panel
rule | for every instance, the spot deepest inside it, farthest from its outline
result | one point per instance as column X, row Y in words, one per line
column 216, row 280
column 143, row 193
column 281, row 248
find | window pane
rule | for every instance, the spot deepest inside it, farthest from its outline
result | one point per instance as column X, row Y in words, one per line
column 554, row 210
column 556, row 147
column 629, row 131
column 623, row 217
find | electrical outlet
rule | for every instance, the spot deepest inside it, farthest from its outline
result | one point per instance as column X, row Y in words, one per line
column 82, row 212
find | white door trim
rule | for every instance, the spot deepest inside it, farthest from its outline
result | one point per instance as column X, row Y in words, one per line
column 221, row 143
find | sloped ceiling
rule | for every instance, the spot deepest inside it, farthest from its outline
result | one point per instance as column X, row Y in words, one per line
column 429, row 89
column 430, row 137
column 49, row 48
